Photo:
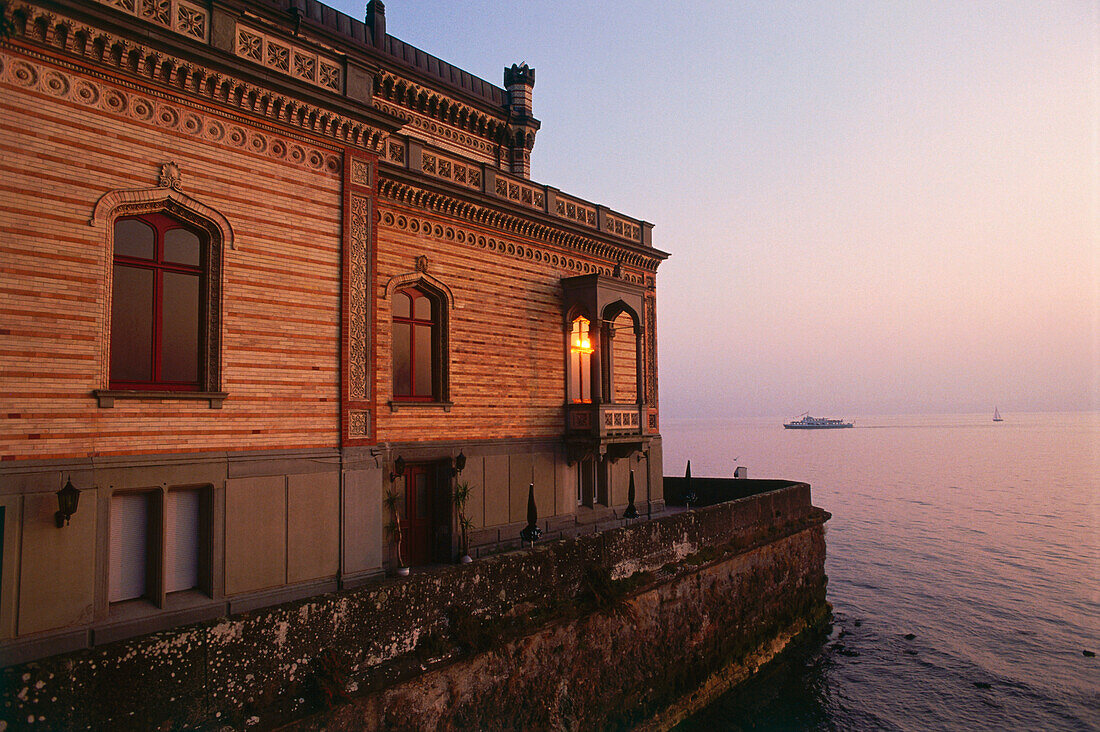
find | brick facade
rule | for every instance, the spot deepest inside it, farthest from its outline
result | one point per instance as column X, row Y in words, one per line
column 328, row 180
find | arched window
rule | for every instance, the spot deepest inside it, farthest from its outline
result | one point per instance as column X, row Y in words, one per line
column 417, row 355
column 157, row 304
column 580, row 362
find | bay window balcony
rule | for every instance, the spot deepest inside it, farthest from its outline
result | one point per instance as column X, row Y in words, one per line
column 606, row 409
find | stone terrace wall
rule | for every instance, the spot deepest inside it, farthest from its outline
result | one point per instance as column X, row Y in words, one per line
column 278, row 664
column 709, row 491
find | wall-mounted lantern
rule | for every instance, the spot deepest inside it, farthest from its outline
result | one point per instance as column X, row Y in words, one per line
column 67, row 500
column 398, row 468
column 579, row 340
column 460, row 464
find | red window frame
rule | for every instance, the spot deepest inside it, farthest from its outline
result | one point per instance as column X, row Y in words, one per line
column 161, row 225
column 407, row 392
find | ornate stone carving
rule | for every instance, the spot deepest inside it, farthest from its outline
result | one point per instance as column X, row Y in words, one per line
column 297, row 61
column 450, row 169
column 437, row 114
column 187, row 18
column 191, row 21
column 357, row 298
column 175, row 75
column 359, row 424
column 389, row 219
column 651, row 350
column 482, row 216
column 431, row 131
column 397, row 153
column 278, row 57
column 422, row 264
column 621, row 227
column 170, row 176
column 360, row 173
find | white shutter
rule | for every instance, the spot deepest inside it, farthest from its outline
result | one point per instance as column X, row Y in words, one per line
column 129, row 545
column 182, row 551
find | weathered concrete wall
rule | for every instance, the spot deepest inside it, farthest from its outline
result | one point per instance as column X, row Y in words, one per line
column 648, row 654
column 599, row 629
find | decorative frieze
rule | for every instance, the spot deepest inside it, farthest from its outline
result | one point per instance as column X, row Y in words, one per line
column 433, row 229
column 173, row 117
column 357, row 289
column 360, row 172
column 451, row 169
column 437, row 114
column 396, row 153
column 357, row 278
column 525, row 194
column 621, row 227
column 288, row 58
column 413, row 196
column 180, row 16
column 359, row 424
column 158, row 73
column 619, row 420
column 436, row 133
column 576, row 211
column 651, row 357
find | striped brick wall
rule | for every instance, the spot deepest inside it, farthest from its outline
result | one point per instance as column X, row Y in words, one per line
column 59, row 153
column 507, row 368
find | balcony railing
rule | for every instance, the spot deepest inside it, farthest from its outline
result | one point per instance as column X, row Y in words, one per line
column 604, row 420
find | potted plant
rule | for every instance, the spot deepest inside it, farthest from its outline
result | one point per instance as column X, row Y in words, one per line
column 461, row 495
column 390, row 501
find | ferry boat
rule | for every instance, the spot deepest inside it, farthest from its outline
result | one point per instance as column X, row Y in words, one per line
column 816, row 423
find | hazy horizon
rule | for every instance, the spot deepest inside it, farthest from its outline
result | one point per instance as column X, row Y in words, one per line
column 872, row 208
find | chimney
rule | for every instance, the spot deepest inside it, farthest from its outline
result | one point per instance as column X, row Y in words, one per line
column 376, row 21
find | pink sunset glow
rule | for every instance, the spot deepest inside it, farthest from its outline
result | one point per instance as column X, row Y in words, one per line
column 871, row 207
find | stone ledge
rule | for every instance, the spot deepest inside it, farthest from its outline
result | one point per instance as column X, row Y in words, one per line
column 106, row 397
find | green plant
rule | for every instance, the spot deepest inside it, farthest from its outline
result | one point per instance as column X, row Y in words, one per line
column 460, row 497
column 609, row 596
column 392, row 503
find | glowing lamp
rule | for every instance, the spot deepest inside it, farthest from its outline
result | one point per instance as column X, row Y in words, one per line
column 579, row 340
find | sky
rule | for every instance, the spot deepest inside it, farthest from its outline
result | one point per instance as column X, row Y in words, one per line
column 871, row 207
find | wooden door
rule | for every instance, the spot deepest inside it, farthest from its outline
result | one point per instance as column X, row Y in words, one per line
column 416, row 539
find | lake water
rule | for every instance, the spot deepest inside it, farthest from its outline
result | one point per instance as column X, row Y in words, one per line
column 978, row 540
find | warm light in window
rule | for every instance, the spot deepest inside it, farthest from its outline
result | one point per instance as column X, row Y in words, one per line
column 579, row 341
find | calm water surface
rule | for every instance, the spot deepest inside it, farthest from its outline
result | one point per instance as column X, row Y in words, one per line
column 980, row 539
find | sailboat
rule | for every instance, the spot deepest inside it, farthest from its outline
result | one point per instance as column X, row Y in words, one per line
column 997, row 415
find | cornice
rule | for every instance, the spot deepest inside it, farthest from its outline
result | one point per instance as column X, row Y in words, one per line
column 407, row 96
column 522, row 223
column 154, row 70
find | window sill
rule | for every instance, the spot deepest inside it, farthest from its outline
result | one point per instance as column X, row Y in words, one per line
column 141, row 616
column 106, row 397
column 396, row 405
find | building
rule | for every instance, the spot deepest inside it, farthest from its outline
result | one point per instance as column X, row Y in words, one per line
column 262, row 264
